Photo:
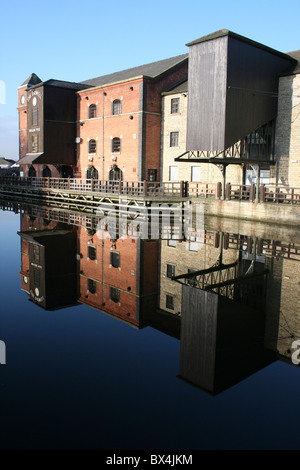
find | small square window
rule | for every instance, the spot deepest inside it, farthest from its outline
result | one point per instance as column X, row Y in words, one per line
column 115, row 259
column 174, row 105
column 92, row 111
column 116, row 144
column 170, row 270
column 117, row 107
column 196, row 174
column 172, row 243
column 92, row 146
column 152, row 174
column 115, row 294
column 170, row 302
column 173, row 173
column 174, row 139
column 91, row 285
column 193, row 246
column 92, row 254
column 36, row 277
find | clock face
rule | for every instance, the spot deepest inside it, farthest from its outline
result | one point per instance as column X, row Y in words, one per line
column 22, row 99
column 34, row 101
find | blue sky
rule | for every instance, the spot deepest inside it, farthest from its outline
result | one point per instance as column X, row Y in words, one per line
column 74, row 41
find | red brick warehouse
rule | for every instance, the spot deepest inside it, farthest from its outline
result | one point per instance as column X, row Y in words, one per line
column 113, row 131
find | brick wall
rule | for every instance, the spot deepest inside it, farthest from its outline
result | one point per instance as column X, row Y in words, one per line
column 124, row 126
column 22, row 110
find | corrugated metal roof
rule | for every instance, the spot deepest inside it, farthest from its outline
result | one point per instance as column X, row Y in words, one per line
column 152, row 70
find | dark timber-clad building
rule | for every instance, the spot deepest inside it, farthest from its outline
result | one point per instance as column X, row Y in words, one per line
column 233, row 100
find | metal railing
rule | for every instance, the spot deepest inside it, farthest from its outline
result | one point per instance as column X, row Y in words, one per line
column 266, row 193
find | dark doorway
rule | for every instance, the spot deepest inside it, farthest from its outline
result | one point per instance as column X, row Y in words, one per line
column 152, row 175
column 46, row 173
column 31, row 172
column 66, row 171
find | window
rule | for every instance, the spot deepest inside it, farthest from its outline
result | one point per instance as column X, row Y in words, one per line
column 91, row 173
column 91, row 285
column 115, row 295
column 92, row 254
column 193, row 246
column 117, row 107
column 196, row 174
column 152, row 175
column 174, row 139
column 116, row 144
column 34, row 143
column 174, row 105
column 36, row 253
column 92, row 146
column 170, row 302
column 92, row 111
column 170, row 270
column 173, row 173
column 34, row 117
column 172, row 243
column 36, row 277
column 115, row 174
column 115, row 259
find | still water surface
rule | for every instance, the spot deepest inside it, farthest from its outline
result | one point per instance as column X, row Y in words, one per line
column 147, row 370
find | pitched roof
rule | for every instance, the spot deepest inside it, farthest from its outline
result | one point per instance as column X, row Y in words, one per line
column 295, row 55
column 64, row 84
column 33, row 79
column 151, row 70
column 225, row 32
column 61, row 84
column 4, row 161
column 179, row 88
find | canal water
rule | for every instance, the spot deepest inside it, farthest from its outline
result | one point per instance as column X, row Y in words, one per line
column 114, row 342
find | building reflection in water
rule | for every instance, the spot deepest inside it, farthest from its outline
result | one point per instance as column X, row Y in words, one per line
column 231, row 299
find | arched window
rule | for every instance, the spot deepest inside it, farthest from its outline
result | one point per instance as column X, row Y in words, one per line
column 116, row 144
column 46, row 173
column 92, row 111
column 92, row 146
column 115, row 174
column 117, row 107
column 91, row 173
column 31, row 172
